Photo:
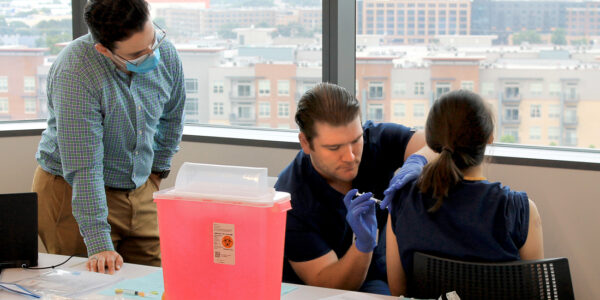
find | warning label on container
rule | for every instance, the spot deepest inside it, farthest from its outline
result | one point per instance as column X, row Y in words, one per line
column 224, row 243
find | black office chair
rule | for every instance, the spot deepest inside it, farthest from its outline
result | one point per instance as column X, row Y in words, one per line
column 527, row 279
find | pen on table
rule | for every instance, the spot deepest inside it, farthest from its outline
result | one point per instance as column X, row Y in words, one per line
column 129, row 292
column 377, row 201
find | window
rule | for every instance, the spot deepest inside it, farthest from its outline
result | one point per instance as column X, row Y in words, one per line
column 218, row 109
column 554, row 111
column 244, row 112
column 510, row 135
column 467, row 85
column 487, row 89
column 283, row 87
column 418, row 110
column 419, row 88
column 570, row 116
column 535, row 133
column 30, row 105
column 399, row 89
column 3, row 84
column 29, row 84
column 191, row 85
column 570, row 137
column 554, row 88
column 553, row 133
column 306, row 87
column 375, row 90
column 264, row 109
column 511, row 91
column 535, row 110
column 244, row 89
column 218, row 87
column 511, row 114
column 441, row 88
column 536, row 89
column 264, row 87
column 571, row 91
column 3, row 105
column 399, row 110
column 283, row 109
column 375, row 112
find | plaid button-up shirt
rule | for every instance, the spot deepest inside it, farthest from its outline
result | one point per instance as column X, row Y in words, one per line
column 107, row 128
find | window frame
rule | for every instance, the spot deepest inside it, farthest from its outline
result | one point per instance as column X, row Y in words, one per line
column 338, row 67
column 4, row 86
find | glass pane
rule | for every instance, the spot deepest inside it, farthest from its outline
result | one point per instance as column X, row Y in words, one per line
column 536, row 72
column 254, row 58
column 32, row 33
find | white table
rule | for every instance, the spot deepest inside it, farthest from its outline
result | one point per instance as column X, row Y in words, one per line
column 132, row 271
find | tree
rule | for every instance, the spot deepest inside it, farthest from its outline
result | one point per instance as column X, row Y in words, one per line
column 508, row 139
column 579, row 42
column 19, row 27
column 559, row 37
column 263, row 25
column 529, row 36
column 226, row 31
column 50, row 41
column 3, row 25
column 293, row 30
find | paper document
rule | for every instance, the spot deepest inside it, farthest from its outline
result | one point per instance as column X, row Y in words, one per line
column 153, row 287
column 68, row 283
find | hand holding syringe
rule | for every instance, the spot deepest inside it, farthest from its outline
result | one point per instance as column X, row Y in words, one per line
column 377, row 201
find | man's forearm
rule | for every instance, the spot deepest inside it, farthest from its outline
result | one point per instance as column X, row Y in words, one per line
column 348, row 273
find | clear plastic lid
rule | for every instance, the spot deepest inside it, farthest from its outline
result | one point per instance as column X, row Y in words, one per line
column 219, row 183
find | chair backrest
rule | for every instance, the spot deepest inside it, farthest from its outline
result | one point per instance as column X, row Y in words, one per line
column 526, row 279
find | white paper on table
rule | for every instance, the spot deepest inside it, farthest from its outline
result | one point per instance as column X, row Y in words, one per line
column 68, row 283
column 352, row 296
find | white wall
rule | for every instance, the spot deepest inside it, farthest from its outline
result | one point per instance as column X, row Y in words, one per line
column 568, row 200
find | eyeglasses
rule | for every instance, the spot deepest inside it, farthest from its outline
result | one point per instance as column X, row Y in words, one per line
column 159, row 36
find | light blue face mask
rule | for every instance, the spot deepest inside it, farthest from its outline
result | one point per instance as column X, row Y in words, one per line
column 145, row 63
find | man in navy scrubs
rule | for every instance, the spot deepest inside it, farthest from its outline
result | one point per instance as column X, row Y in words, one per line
column 331, row 236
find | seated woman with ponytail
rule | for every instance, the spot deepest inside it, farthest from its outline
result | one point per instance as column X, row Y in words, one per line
column 451, row 210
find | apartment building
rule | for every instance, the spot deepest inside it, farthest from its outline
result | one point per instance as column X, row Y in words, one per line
column 19, row 83
column 413, row 21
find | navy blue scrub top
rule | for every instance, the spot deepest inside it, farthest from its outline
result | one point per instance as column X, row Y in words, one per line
column 316, row 224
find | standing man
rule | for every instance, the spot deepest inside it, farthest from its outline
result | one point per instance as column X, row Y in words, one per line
column 115, row 105
column 340, row 157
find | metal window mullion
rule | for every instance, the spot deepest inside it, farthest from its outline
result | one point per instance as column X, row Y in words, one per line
column 78, row 24
column 339, row 43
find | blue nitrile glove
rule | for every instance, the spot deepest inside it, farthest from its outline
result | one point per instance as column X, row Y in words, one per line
column 362, row 220
column 410, row 170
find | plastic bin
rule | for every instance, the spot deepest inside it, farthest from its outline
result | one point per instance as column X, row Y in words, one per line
column 222, row 232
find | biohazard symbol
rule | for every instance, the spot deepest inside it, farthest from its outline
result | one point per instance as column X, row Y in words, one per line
column 227, row 241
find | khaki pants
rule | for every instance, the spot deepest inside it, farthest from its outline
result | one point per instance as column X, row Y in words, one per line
column 131, row 215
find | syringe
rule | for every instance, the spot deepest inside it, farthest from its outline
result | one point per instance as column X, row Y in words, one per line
column 377, row 201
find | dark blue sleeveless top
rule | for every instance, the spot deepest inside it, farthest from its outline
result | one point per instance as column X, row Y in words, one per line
column 479, row 221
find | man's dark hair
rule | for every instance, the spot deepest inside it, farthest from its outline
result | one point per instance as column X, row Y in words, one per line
column 112, row 21
column 328, row 103
column 459, row 126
